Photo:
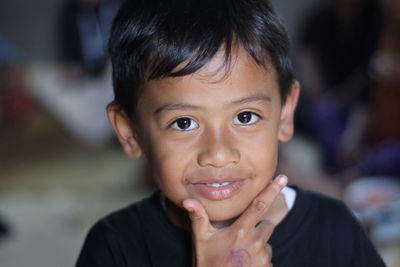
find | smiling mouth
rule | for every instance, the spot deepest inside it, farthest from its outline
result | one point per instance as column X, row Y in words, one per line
column 218, row 191
column 216, row 185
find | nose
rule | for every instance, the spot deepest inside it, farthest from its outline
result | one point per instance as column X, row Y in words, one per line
column 218, row 149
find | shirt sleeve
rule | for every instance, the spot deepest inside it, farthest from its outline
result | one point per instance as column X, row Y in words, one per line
column 356, row 243
column 100, row 248
column 365, row 254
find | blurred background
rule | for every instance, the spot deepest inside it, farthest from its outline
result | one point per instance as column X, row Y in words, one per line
column 61, row 168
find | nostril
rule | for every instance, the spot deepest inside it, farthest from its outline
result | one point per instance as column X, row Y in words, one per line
column 218, row 157
column 218, row 148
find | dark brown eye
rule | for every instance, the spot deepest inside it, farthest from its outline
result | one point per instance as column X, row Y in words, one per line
column 246, row 118
column 184, row 124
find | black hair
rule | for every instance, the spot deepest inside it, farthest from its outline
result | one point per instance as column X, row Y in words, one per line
column 152, row 39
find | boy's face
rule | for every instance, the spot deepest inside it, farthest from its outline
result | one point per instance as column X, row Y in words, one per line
column 212, row 136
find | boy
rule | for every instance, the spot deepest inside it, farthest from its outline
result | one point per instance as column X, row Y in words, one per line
column 204, row 89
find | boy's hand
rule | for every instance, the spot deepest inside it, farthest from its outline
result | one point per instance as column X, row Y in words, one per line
column 244, row 243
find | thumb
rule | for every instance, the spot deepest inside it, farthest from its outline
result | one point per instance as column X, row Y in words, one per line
column 198, row 216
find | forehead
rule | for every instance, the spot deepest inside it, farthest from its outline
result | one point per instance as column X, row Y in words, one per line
column 240, row 66
column 242, row 75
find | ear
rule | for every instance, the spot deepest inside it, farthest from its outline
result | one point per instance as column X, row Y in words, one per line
column 286, row 127
column 124, row 130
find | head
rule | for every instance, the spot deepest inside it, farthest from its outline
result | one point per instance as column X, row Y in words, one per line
column 205, row 90
column 392, row 9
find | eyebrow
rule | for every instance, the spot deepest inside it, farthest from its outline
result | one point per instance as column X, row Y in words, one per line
column 252, row 98
column 182, row 106
column 175, row 106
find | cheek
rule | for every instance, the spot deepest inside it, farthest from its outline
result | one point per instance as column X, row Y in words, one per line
column 168, row 162
column 266, row 161
column 170, row 155
column 262, row 152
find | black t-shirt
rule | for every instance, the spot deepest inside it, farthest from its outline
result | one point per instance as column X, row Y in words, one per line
column 318, row 231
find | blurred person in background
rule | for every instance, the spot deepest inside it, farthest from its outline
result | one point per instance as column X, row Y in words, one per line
column 85, row 25
column 349, row 68
column 80, row 85
column 336, row 45
column 383, row 125
column 15, row 103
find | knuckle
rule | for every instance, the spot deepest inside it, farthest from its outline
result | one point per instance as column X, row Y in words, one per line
column 276, row 188
column 266, row 226
column 264, row 261
column 201, row 239
column 258, row 244
column 266, row 223
column 241, row 233
column 195, row 217
column 269, row 224
column 260, row 205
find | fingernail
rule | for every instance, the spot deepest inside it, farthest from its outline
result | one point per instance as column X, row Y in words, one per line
column 282, row 180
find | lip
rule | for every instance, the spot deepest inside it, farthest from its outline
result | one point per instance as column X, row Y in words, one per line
column 207, row 191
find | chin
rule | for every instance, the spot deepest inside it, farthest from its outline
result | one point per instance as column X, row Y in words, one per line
column 218, row 216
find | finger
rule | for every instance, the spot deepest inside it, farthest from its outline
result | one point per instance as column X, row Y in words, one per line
column 260, row 205
column 199, row 218
column 265, row 257
column 264, row 230
column 268, row 250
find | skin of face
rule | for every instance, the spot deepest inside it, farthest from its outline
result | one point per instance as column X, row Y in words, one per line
column 214, row 126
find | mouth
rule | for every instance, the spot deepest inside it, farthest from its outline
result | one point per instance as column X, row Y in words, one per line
column 216, row 185
column 218, row 190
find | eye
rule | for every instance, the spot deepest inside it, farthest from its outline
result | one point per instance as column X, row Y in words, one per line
column 246, row 118
column 184, row 124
